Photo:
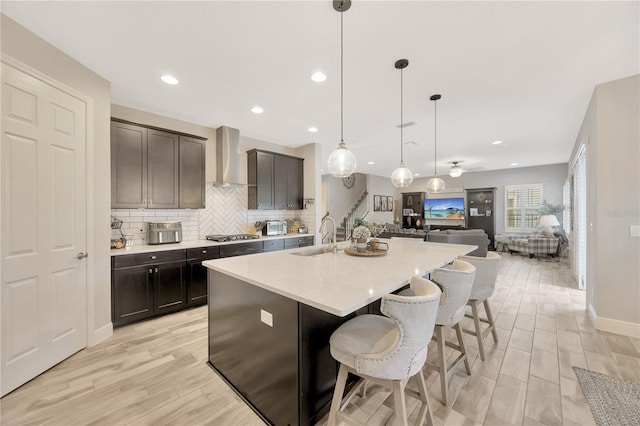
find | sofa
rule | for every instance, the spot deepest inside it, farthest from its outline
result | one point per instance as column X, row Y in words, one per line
column 475, row 237
column 534, row 244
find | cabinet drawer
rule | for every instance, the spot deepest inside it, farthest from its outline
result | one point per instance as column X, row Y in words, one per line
column 298, row 242
column 152, row 258
column 241, row 249
column 274, row 245
column 203, row 253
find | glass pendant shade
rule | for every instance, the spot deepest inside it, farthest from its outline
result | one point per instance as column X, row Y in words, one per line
column 342, row 162
column 456, row 171
column 401, row 177
column 435, row 184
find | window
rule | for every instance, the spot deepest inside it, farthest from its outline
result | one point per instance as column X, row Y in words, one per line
column 522, row 207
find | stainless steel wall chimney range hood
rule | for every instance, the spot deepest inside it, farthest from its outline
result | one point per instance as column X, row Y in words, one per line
column 228, row 157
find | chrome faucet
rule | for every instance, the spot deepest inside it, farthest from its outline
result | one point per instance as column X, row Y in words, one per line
column 332, row 242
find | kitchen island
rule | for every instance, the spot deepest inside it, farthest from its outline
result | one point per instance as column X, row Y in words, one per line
column 271, row 316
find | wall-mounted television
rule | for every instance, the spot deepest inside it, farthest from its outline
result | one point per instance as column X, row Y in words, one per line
column 444, row 208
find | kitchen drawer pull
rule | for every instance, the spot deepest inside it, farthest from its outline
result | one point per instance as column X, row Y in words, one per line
column 153, row 257
column 204, row 251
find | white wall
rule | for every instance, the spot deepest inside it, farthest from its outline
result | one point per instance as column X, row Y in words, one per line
column 551, row 176
column 339, row 199
column 24, row 46
column 378, row 185
column 611, row 130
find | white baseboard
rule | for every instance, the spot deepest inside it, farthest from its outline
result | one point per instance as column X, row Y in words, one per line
column 614, row 326
column 101, row 334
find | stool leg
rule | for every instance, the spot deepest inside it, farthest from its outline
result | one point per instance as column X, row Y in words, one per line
column 476, row 322
column 442, row 363
column 400, row 402
column 337, row 395
column 487, row 309
column 462, row 347
column 425, row 410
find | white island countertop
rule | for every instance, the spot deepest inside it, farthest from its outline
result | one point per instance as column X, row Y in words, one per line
column 339, row 283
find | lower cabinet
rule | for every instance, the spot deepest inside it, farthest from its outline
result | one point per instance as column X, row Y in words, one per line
column 146, row 285
column 197, row 274
column 298, row 242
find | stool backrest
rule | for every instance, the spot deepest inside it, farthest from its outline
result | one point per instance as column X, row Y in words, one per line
column 455, row 283
column 415, row 316
column 486, row 274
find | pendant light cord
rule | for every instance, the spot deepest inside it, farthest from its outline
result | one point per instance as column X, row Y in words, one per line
column 341, row 80
column 435, row 136
column 401, row 123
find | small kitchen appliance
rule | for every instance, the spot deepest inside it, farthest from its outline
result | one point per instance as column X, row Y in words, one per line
column 164, row 232
column 275, row 227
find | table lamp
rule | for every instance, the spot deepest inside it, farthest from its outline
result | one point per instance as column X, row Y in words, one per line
column 548, row 222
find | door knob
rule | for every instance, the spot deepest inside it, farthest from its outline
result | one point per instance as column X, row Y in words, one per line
column 82, row 255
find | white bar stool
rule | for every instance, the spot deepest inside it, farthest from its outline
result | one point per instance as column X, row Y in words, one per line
column 388, row 350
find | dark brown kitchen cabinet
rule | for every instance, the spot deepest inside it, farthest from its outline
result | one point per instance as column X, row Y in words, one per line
column 288, row 180
column 197, row 274
column 482, row 201
column 241, row 249
column 192, row 167
column 155, row 168
column 298, row 242
column 273, row 245
column 275, row 181
column 147, row 284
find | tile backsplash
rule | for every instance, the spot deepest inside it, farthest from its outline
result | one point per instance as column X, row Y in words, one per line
column 225, row 213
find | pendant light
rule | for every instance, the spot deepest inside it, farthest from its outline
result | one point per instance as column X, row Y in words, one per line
column 342, row 162
column 435, row 184
column 455, row 170
column 402, row 176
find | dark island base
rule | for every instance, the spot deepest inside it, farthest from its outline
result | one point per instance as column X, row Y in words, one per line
column 285, row 372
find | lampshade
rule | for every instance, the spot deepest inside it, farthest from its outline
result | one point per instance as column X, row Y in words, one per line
column 341, row 162
column 548, row 222
column 455, row 171
column 402, row 176
column 435, row 184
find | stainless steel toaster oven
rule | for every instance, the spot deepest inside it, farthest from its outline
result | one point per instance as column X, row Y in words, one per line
column 164, row 232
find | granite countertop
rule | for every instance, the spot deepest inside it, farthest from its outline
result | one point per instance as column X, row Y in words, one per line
column 339, row 283
column 147, row 248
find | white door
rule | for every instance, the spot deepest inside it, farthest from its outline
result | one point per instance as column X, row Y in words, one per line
column 43, row 217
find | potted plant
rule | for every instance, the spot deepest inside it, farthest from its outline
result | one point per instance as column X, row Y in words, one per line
column 361, row 234
column 375, row 229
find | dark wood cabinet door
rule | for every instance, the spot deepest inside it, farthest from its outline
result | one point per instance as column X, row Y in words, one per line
column 483, row 201
column 280, row 183
column 128, row 166
column 192, row 167
column 197, row 284
column 295, row 183
column 162, row 169
column 132, row 294
column 169, row 292
column 260, row 177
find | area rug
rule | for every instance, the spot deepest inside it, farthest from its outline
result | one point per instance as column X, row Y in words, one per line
column 612, row 401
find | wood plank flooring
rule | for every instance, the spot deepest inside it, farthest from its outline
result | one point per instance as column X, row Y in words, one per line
column 154, row 372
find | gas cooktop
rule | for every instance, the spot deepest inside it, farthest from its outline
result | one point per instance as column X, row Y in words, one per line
column 232, row 237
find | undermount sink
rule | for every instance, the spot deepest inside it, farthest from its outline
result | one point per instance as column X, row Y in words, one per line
column 314, row 251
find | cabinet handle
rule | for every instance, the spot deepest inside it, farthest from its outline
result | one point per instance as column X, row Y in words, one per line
column 204, row 251
column 156, row 271
column 151, row 270
column 153, row 257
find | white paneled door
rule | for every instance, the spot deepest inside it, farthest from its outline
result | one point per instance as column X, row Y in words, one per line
column 43, row 215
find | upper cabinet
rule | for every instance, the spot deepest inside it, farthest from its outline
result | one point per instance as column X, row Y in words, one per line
column 275, row 181
column 152, row 168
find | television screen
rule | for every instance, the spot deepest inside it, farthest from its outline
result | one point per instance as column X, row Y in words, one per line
column 444, row 208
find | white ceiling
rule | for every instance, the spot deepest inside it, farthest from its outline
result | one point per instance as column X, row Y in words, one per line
column 520, row 72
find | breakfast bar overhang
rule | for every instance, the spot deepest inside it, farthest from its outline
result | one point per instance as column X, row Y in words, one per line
column 271, row 316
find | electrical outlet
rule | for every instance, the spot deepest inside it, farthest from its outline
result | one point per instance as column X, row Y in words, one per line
column 266, row 317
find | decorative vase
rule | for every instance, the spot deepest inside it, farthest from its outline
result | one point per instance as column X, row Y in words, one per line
column 361, row 245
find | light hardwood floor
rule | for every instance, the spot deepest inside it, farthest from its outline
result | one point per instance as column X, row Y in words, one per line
column 154, row 372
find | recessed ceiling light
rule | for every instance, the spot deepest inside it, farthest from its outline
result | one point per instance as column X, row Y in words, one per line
column 169, row 79
column 257, row 110
column 513, row 164
column 496, row 142
column 312, row 129
column 318, row 77
column 371, row 162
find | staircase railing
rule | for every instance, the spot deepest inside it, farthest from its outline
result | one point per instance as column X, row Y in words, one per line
column 358, row 211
